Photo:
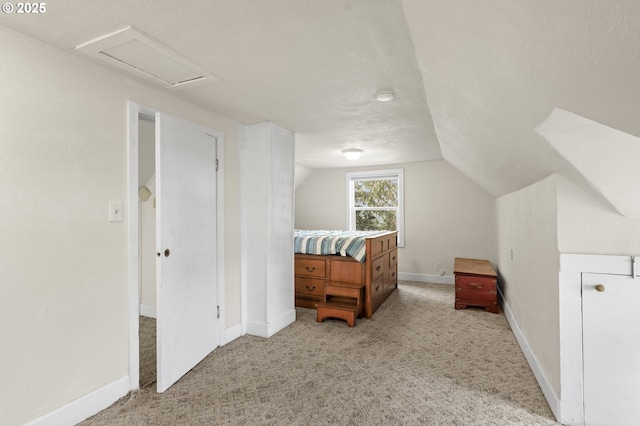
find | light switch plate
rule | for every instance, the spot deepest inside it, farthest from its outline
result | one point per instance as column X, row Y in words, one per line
column 116, row 211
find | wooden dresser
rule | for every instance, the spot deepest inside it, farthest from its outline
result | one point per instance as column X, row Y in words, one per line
column 475, row 284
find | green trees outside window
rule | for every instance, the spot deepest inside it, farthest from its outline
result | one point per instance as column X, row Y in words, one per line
column 376, row 204
column 375, row 201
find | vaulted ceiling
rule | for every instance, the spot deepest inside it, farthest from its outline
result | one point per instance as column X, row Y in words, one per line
column 472, row 78
column 494, row 69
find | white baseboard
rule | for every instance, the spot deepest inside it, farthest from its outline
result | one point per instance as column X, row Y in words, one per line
column 86, row 406
column 425, row 278
column 231, row 334
column 268, row 329
column 148, row 311
column 545, row 385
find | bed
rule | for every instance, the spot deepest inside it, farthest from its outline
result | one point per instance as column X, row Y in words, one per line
column 335, row 259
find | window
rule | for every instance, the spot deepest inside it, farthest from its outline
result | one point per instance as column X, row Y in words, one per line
column 375, row 201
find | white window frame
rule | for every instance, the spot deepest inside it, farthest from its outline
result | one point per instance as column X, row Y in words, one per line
column 376, row 174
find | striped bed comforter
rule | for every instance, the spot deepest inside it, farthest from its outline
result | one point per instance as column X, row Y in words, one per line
column 344, row 243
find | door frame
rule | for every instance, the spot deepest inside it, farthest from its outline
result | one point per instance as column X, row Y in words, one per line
column 133, row 111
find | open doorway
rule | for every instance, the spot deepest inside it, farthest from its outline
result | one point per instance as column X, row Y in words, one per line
column 147, row 250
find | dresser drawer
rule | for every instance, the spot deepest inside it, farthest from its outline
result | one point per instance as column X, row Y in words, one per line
column 392, row 278
column 379, row 266
column 310, row 267
column 310, row 286
column 392, row 273
column 377, row 286
column 393, row 259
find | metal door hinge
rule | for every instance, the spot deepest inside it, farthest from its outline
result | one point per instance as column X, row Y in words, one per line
column 217, row 164
column 633, row 266
column 218, row 311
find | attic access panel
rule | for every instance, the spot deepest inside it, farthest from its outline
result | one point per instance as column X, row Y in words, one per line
column 131, row 50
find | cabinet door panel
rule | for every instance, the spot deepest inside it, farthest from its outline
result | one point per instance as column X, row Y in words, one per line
column 346, row 271
column 611, row 349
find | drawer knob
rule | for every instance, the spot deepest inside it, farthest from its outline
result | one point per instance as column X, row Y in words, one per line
column 310, row 288
column 378, row 268
column 600, row 287
column 310, row 268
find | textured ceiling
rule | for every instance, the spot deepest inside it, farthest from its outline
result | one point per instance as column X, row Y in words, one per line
column 312, row 67
column 473, row 78
column 494, row 69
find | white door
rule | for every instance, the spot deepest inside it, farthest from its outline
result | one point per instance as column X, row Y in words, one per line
column 611, row 345
column 187, row 327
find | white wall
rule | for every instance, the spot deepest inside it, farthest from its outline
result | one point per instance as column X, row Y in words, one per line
column 527, row 224
column 146, row 150
column 301, row 174
column 446, row 214
column 266, row 186
column 63, row 157
column 539, row 222
column 148, row 253
column 147, row 213
column 588, row 226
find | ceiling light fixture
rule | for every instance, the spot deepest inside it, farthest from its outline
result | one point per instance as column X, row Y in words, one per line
column 385, row 96
column 352, row 153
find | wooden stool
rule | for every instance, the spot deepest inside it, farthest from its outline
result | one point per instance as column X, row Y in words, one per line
column 334, row 290
column 341, row 300
column 344, row 311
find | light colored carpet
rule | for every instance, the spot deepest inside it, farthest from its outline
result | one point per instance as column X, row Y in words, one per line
column 147, row 352
column 416, row 362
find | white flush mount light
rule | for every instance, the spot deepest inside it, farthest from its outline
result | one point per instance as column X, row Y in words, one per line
column 134, row 51
column 385, row 96
column 352, row 153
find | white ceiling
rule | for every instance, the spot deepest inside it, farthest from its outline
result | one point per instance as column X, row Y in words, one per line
column 494, row 69
column 312, row 67
column 481, row 75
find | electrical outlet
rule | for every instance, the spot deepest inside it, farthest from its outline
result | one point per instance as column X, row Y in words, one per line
column 438, row 267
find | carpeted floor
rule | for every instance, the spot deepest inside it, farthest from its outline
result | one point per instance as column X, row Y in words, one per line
column 147, row 352
column 416, row 362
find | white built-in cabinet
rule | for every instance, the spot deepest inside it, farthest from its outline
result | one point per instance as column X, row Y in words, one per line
column 266, row 159
column 600, row 340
